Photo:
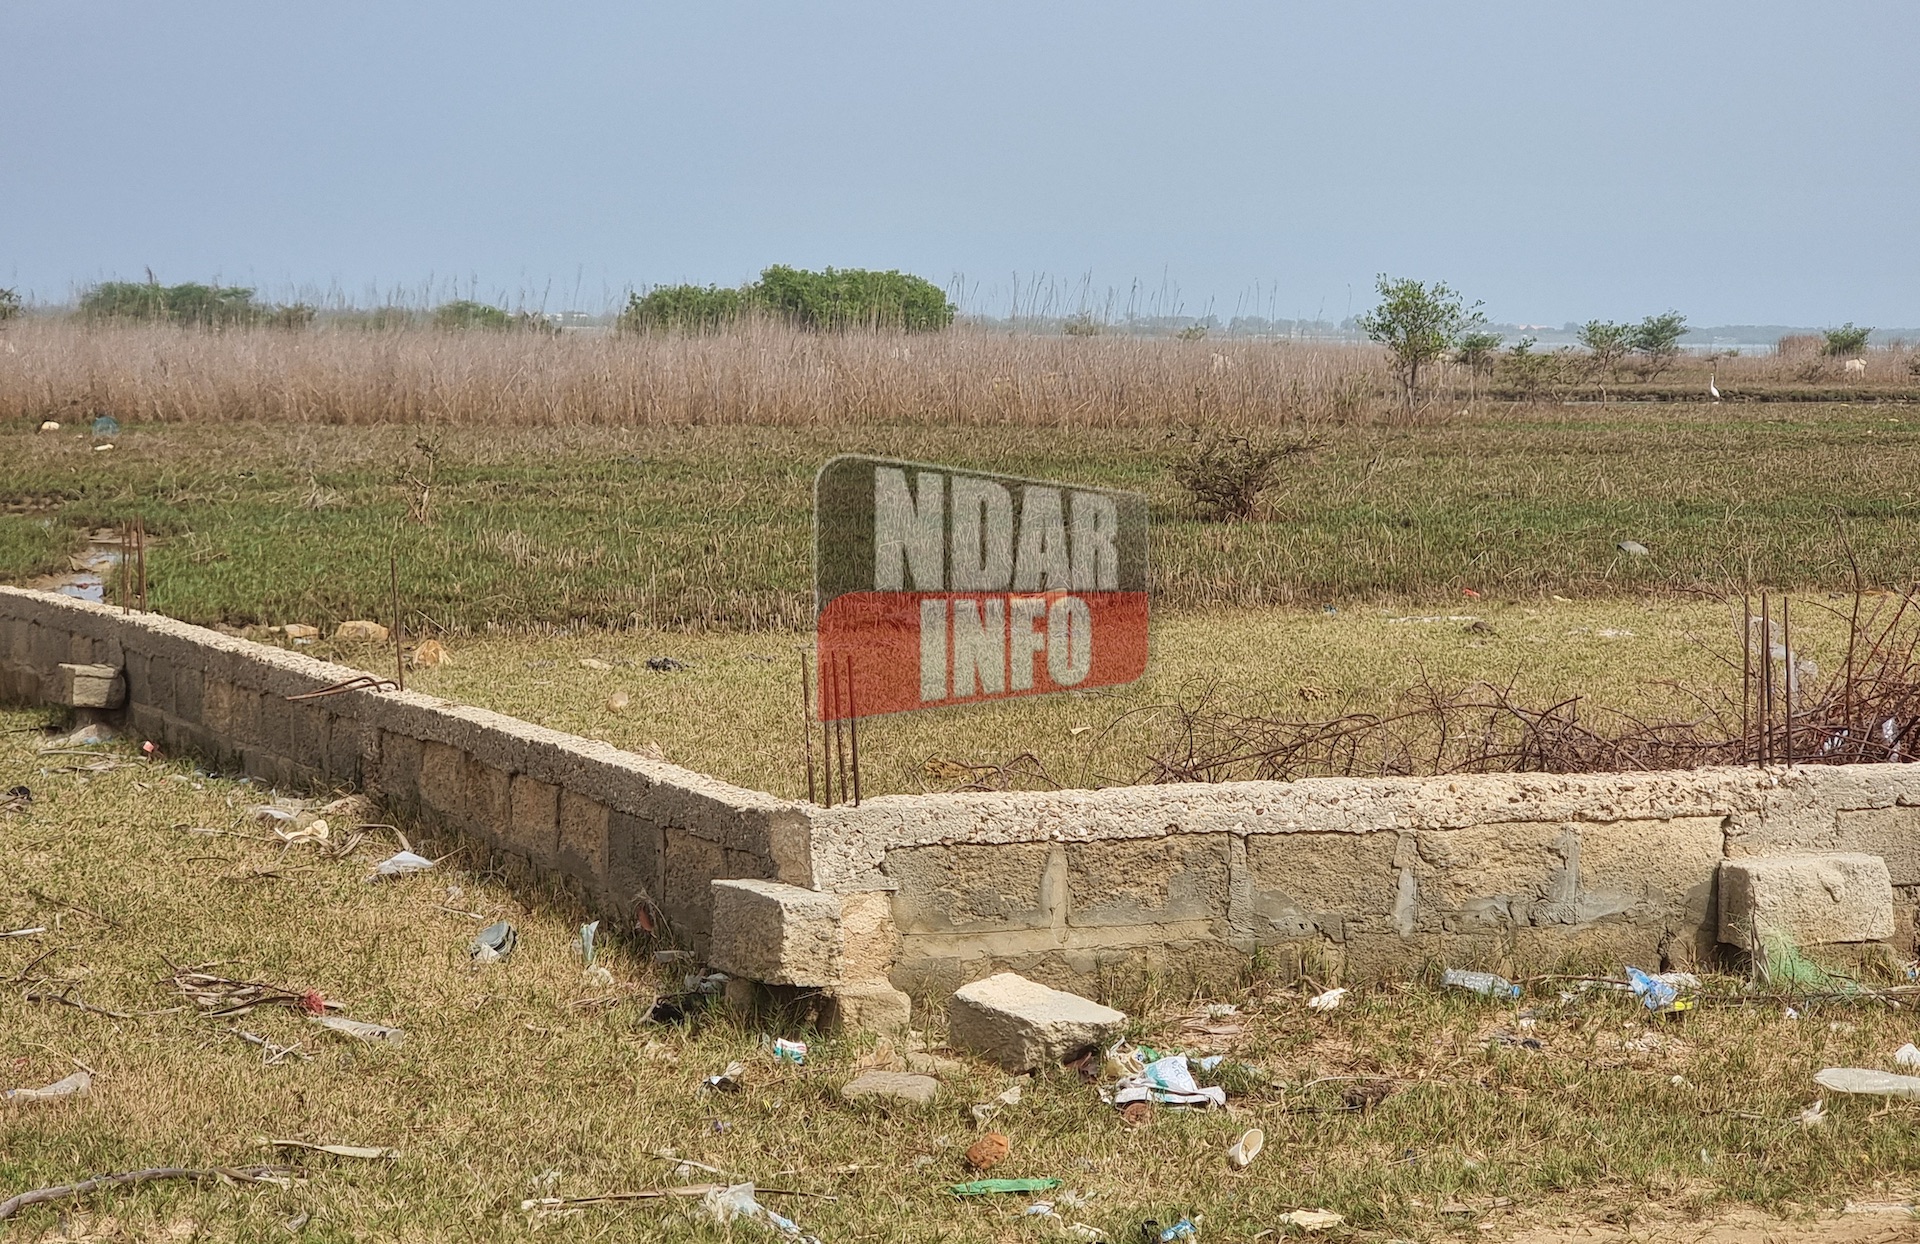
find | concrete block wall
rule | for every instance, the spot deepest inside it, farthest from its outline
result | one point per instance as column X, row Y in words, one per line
column 620, row 828
column 1354, row 879
column 1357, row 879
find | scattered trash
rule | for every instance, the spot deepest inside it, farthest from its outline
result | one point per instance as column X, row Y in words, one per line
column 1243, row 1151
column 1866, row 1081
column 988, row 1151
column 17, row 799
column 1814, row 1115
column 1167, row 1082
column 987, row 1109
column 1907, row 1055
column 298, row 631
column 79, row 1084
column 724, row 1204
column 1660, row 993
column 1328, row 1001
column 1312, row 1219
column 794, row 1052
column 359, row 1030
column 400, row 864
column 106, row 425
column 1081, row 1231
column 365, row 1153
column 431, row 654
column 92, row 734
column 1485, row 984
column 664, row 665
column 359, row 631
column 587, row 932
column 1632, row 548
column 991, row 1187
column 729, row 1080
column 48, row 425
column 314, row 831
column 494, row 943
column 1185, row 1229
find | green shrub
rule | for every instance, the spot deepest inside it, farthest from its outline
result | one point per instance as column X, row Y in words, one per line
column 9, row 304
column 688, row 308
column 833, row 300
column 1477, row 351
column 1081, row 325
column 191, row 303
column 464, row 313
column 852, row 298
column 1846, row 341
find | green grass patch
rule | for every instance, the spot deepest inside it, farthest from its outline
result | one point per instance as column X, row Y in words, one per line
column 711, row 527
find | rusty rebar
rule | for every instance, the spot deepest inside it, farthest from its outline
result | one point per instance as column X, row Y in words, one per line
column 806, row 728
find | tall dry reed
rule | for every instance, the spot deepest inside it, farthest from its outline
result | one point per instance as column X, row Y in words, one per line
column 759, row 374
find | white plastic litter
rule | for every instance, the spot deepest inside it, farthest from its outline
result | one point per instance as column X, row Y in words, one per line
column 1244, row 1150
column 1327, row 1001
column 1867, row 1081
column 1312, row 1219
column 79, row 1084
column 1168, row 1082
column 359, row 1030
column 1907, row 1055
column 399, row 865
column 724, row 1205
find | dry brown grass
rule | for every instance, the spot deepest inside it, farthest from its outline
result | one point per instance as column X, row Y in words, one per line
column 524, row 1079
column 762, row 374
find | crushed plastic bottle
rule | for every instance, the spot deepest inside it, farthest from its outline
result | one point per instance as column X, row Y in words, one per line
column 1486, row 984
column 1651, row 990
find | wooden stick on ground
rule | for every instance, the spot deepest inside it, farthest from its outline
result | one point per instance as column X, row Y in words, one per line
column 64, row 1192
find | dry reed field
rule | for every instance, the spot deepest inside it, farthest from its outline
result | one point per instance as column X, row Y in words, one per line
column 768, row 374
column 764, row 374
column 146, row 900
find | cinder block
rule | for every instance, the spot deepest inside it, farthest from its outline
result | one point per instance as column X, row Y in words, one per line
column 634, row 848
column 583, row 838
column 1813, row 899
column 1138, row 881
column 1022, row 1024
column 689, row 865
column 160, row 683
column 973, row 888
column 534, row 828
column 189, row 686
column 776, row 933
column 1301, row 882
column 91, row 686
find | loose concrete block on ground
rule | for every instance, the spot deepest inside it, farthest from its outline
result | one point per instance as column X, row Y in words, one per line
column 1022, row 1024
column 892, row 1086
column 775, row 933
column 1813, row 899
column 871, row 1006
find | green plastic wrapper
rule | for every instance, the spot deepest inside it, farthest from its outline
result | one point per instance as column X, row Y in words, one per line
column 986, row 1187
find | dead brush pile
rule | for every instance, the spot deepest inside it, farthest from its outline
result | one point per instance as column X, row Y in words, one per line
column 1785, row 710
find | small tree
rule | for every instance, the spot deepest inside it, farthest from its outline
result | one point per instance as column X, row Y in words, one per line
column 1418, row 324
column 1657, row 339
column 689, row 308
column 1846, row 341
column 466, row 313
column 9, row 304
column 1608, row 343
column 1525, row 370
column 1477, row 350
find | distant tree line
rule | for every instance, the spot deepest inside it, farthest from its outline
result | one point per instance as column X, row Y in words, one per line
column 832, row 300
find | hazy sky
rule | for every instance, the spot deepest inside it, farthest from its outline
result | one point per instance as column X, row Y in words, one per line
column 1742, row 162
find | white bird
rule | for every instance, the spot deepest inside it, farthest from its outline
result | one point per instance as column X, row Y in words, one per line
column 1712, row 391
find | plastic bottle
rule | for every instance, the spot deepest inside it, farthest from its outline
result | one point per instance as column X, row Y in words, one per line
column 1484, row 983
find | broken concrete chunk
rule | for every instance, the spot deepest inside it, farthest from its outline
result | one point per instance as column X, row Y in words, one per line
column 775, row 933
column 873, row 1006
column 1022, row 1024
column 896, row 1086
column 1813, row 899
column 92, row 686
column 359, row 631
